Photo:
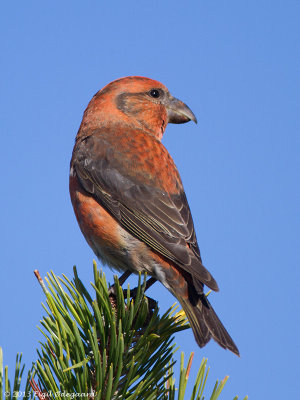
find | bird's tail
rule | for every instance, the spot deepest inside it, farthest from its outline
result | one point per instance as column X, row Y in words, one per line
column 205, row 322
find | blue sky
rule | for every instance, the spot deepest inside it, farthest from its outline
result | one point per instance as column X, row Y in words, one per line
column 236, row 64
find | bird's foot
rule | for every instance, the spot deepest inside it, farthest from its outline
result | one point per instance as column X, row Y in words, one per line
column 122, row 279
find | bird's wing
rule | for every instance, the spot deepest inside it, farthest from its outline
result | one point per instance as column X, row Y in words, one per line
column 161, row 220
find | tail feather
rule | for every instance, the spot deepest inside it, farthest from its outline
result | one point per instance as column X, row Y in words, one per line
column 206, row 324
column 217, row 329
column 200, row 274
column 198, row 325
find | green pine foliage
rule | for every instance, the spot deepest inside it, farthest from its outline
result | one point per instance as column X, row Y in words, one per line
column 105, row 345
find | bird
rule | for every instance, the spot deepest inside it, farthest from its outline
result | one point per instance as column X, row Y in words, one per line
column 129, row 199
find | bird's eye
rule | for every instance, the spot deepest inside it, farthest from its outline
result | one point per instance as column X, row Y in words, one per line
column 154, row 93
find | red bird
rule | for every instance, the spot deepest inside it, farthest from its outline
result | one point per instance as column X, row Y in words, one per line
column 129, row 199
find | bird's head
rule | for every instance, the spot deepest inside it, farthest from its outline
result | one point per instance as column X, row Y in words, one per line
column 139, row 102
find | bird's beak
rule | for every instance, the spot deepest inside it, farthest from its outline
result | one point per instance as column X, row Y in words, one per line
column 178, row 112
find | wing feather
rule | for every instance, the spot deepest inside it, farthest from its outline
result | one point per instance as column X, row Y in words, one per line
column 162, row 220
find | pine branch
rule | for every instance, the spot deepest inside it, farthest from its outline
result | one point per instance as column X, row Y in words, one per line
column 113, row 347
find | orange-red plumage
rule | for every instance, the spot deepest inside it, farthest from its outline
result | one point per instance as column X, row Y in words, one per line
column 129, row 200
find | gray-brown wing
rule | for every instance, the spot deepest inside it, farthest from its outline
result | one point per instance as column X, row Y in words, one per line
column 161, row 220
